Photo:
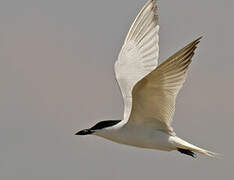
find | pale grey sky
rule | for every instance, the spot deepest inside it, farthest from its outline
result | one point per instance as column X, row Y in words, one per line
column 56, row 75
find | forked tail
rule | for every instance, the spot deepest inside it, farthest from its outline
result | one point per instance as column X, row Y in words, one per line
column 189, row 149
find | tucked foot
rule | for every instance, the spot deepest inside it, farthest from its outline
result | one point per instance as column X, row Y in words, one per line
column 187, row 152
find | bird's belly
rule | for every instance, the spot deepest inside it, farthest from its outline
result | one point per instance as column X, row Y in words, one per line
column 151, row 139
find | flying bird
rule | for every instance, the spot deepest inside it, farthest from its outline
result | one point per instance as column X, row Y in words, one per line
column 149, row 90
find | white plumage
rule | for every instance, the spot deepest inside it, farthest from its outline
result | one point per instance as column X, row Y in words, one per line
column 149, row 91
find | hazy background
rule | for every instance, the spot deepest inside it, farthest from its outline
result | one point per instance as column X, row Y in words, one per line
column 56, row 77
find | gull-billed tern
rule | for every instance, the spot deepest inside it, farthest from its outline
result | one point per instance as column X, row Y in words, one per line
column 149, row 91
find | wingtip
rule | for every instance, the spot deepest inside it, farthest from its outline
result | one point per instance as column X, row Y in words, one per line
column 199, row 39
column 155, row 8
column 202, row 34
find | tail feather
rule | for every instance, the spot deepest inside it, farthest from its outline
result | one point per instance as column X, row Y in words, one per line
column 187, row 148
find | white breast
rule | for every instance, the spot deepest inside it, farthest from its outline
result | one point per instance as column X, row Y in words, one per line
column 138, row 136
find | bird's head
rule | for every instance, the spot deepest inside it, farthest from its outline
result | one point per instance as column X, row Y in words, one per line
column 99, row 126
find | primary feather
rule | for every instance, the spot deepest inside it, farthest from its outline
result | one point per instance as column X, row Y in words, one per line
column 155, row 95
column 139, row 54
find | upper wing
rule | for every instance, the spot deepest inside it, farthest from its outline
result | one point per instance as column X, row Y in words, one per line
column 154, row 96
column 139, row 54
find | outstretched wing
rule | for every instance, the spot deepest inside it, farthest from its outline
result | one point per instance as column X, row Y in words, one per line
column 139, row 54
column 154, row 96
